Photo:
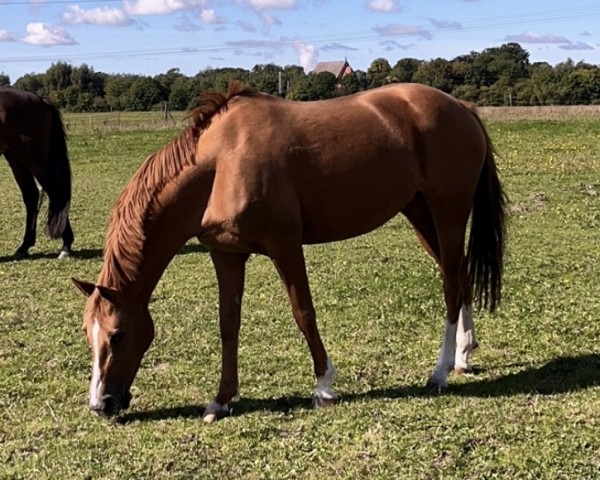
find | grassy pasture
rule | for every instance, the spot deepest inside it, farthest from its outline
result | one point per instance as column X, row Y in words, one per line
column 531, row 411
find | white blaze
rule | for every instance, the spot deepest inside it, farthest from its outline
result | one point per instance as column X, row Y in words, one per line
column 96, row 382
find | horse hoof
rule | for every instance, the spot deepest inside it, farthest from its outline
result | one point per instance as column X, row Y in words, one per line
column 212, row 414
column 20, row 255
column 323, row 402
column 434, row 387
column 461, row 370
column 213, row 417
column 65, row 254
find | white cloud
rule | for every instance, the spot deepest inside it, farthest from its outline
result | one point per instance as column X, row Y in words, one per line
column 96, row 16
column 185, row 25
column 396, row 30
column 208, row 16
column 271, row 4
column 6, row 37
column 445, row 24
column 389, row 45
column 385, row 6
column 46, row 35
column 307, row 55
column 532, row 37
column 562, row 42
column 246, row 26
column 337, row 46
column 160, row 7
column 269, row 20
column 576, row 46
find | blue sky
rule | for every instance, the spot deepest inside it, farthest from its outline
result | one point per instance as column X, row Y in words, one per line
column 152, row 36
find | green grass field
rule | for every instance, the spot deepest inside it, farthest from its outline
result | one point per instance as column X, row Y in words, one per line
column 531, row 411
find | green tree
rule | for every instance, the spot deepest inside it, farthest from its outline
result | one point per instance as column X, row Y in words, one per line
column 31, row 82
column 118, row 91
column 167, row 80
column 469, row 93
column 4, row 80
column 541, row 88
column 182, row 94
column 146, row 94
column 292, row 75
column 265, row 78
column 405, row 68
column 219, row 79
column 509, row 61
column 437, row 73
column 379, row 73
column 350, row 84
column 58, row 77
column 314, row 87
column 581, row 87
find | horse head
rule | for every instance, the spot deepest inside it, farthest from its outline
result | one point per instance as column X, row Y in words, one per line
column 119, row 332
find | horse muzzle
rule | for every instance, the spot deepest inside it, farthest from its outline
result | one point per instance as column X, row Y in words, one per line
column 110, row 405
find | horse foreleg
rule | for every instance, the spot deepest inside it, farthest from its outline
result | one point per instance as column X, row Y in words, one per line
column 31, row 196
column 230, row 269
column 292, row 270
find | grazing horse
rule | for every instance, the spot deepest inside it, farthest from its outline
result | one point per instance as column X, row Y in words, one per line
column 33, row 140
column 259, row 174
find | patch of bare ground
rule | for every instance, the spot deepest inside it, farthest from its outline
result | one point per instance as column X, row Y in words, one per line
column 553, row 112
column 535, row 201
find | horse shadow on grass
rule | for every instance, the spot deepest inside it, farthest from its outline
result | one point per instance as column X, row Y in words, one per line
column 94, row 253
column 561, row 375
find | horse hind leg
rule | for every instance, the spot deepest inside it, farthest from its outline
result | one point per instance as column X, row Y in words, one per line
column 459, row 338
column 67, row 238
column 31, row 196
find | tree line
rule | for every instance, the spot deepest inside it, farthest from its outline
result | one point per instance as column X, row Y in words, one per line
column 495, row 76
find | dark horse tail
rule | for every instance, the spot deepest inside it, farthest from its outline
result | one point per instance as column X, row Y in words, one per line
column 485, row 252
column 58, row 185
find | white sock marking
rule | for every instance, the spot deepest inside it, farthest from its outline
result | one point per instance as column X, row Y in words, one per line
column 445, row 362
column 324, row 382
column 465, row 338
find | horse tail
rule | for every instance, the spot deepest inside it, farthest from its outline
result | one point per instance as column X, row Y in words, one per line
column 485, row 252
column 58, row 185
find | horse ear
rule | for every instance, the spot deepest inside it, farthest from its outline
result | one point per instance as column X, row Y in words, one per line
column 86, row 288
column 107, row 293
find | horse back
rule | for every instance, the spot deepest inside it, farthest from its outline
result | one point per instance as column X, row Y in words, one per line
column 338, row 168
column 25, row 121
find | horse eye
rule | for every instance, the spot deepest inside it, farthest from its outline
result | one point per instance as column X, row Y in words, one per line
column 116, row 338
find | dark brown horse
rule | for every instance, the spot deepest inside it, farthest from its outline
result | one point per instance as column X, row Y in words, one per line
column 33, row 140
column 258, row 174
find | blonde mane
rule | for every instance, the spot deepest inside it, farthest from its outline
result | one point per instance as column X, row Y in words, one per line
column 131, row 215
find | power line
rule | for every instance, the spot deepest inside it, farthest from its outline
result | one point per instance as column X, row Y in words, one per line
column 539, row 17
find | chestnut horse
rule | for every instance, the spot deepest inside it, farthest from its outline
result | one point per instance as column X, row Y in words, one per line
column 33, row 140
column 259, row 174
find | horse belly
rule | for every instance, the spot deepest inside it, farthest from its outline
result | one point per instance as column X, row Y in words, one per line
column 346, row 209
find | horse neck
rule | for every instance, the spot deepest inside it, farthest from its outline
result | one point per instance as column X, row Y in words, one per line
column 172, row 219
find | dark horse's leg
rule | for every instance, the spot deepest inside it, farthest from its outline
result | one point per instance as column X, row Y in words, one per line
column 67, row 238
column 31, row 196
column 230, row 269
